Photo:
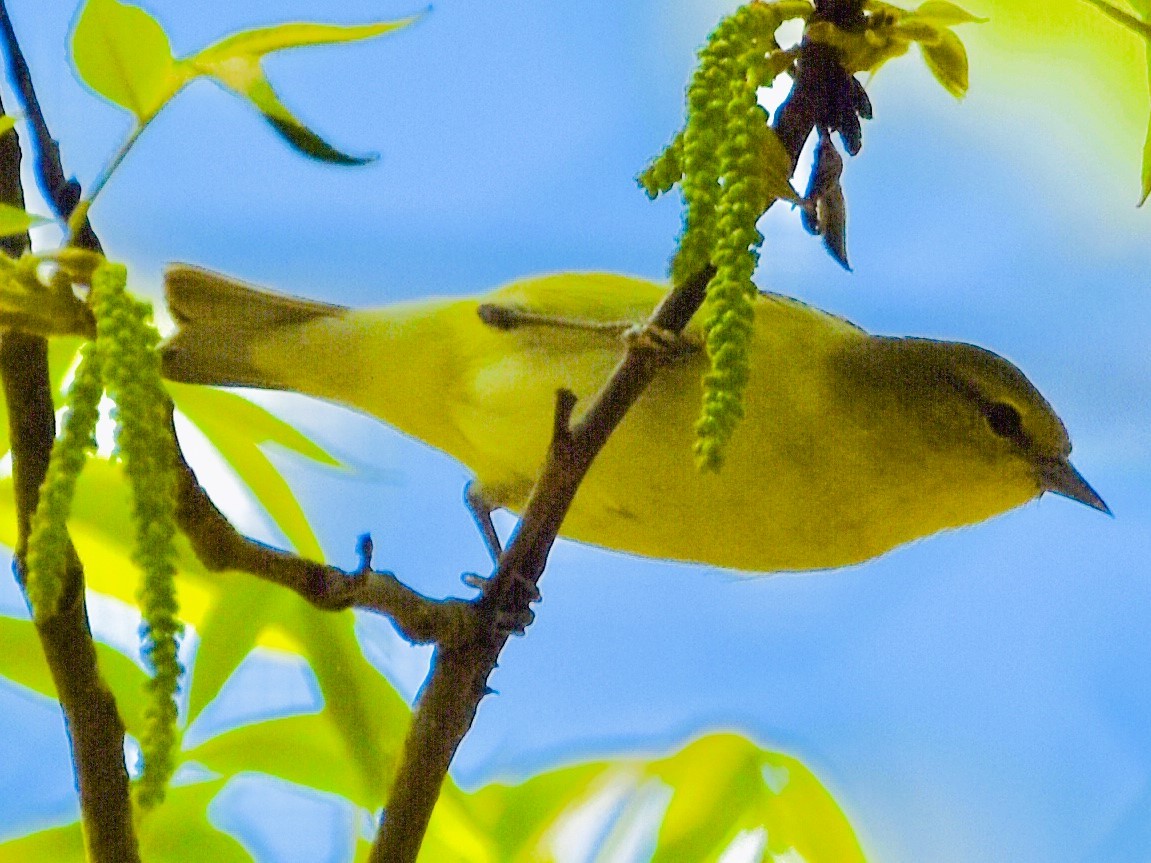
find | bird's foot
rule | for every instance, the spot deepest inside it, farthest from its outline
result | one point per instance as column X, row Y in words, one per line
column 511, row 612
column 656, row 340
column 481, row 509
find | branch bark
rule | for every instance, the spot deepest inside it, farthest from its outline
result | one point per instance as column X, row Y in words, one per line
column 95, row 729
column 219, row 546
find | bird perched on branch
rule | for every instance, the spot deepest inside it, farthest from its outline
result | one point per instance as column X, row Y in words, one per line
column 851, row 443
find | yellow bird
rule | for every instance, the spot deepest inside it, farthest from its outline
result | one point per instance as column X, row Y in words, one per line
column 851, row 444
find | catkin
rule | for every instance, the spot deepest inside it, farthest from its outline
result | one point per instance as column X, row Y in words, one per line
column 131, row 371
column 718, row 161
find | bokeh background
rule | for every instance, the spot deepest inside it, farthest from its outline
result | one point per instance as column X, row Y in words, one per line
column 980, row 696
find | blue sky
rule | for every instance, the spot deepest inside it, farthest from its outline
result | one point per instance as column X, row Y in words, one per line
column 982, row 695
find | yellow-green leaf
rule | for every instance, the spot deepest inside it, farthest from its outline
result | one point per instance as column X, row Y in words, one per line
column 22, row 661
column 923, row 32
column 367, row 713
column 713, row 782
column 58, row 844
column 7, row 122
column 946, row 14
column 721, row 785
column 218, row 58
column 228, row 633
column 234, row 62
column 1146, row 175
column 123, row 54
column 292, row 130
column 947, row 60
column 238, row 429
column 304, row 749
column 14, row 220
column 517, row 817
column 179, row 831
column 1126, row 19
column 776, row 169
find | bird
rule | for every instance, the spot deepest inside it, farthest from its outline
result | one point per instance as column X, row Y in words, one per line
column 851, row 444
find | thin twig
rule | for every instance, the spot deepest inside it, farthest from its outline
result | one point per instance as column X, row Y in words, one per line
column 220, row 546
column 95, row 729
column 61, row 192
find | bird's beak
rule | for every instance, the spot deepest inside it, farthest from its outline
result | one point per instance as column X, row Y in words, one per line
column 1059, row 476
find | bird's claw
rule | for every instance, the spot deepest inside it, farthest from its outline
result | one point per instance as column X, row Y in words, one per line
column 511, row 614
column 657, row 340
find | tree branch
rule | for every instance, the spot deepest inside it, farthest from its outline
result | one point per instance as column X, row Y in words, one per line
column 62, row 192
column 219, row 546
column 95, row 730
column 460, row 673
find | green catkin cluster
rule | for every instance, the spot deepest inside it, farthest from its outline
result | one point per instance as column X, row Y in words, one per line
column 719, row 161
column 131, row 372
column 665, row 170
column 47, row 554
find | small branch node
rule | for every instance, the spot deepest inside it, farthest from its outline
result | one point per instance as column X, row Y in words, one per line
column 563, row 442
column 364, row 548
column 474, row 579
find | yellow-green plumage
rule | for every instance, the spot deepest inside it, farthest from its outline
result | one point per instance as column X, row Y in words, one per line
column 851, row 445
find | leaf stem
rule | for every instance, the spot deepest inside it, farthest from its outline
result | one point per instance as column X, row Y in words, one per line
column 1141, row 28
column 78, row 218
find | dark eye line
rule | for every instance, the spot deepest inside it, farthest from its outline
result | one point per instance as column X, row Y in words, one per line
column 1003, row 417
column 1005, row 420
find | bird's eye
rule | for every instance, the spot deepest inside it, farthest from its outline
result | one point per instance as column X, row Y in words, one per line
column 1004, row 420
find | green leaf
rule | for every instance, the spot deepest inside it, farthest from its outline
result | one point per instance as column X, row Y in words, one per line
column 349, row 748
column 304, row 749
column 58, row 844
column 517, row 817
column 1146, row 175
column 454, row 835
column 713, row 781
column 14, row 220
column 800, row 814
column 368, row 714
column 721, row 785
column 775, row 167
column 298, row 136
column 22, row 661
column 179, row 830
column 226, row 57
column 947, row 60
column 228, row 633
column 1126, row 19
column 62, row 353
column 7, row 122
column 235, row 63
column 123, row 54
column 238, row 428
column 946, row 14
column 923, row 32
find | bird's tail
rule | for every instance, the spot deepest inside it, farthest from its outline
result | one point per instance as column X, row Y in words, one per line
column 219, row 320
